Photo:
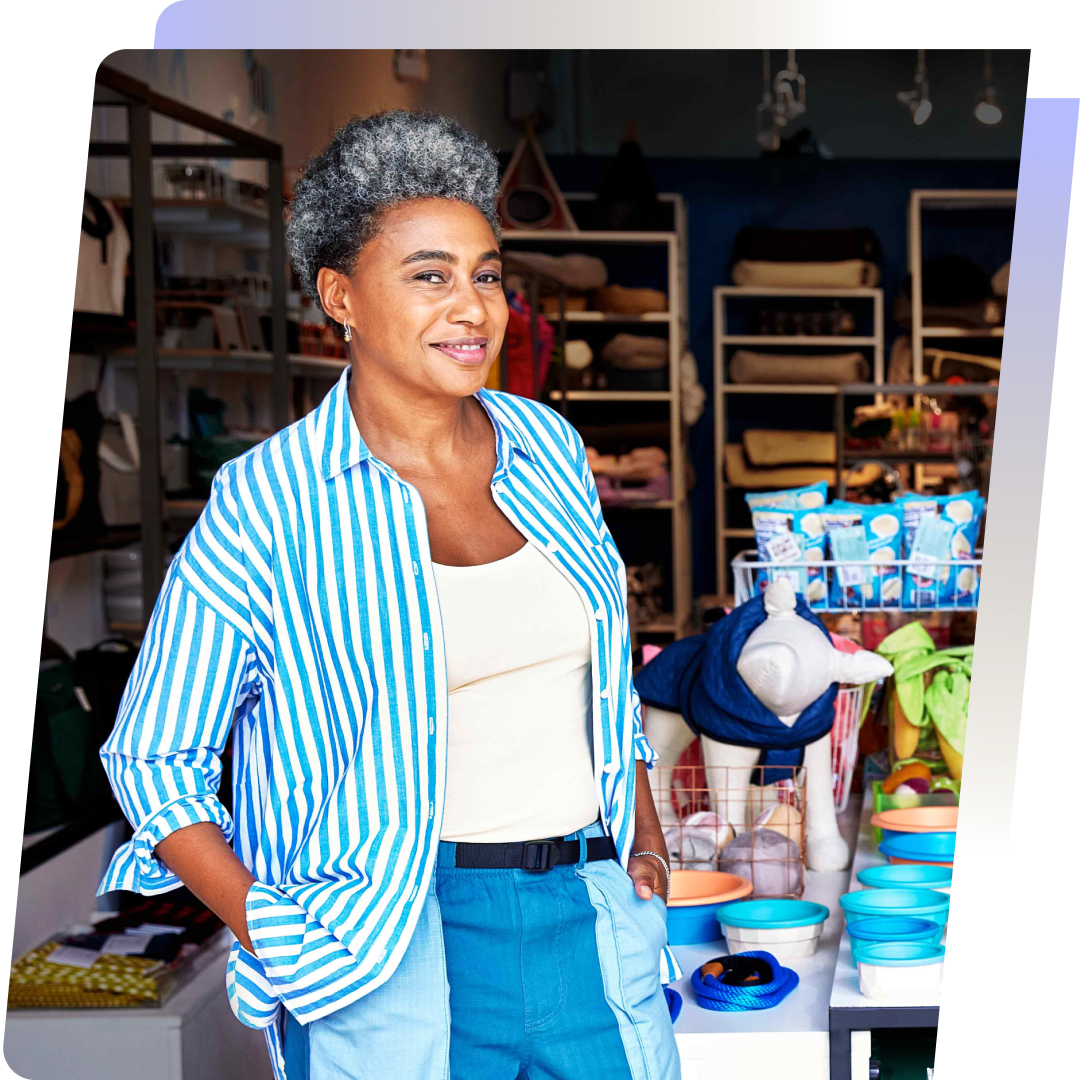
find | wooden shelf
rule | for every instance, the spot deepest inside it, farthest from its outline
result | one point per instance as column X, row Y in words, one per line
column 779, row 388
column 643, row 504
column 613, row 317
column 795, row 339
column 962, row 332
column 612, row 395
column 596, row 236
column 662, row 624
column 863, row 292
column 737, row 534
column 242, row 361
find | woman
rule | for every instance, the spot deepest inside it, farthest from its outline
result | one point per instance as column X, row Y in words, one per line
column 409, row 610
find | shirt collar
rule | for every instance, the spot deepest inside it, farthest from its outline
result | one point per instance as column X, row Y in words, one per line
column 342, row 445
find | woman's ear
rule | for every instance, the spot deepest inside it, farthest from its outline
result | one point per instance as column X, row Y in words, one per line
column 333, row 295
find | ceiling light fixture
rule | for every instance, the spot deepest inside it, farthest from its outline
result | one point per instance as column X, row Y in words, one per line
column 918, row 100
column 768, row 137
column 987, row 110
column 782, row 99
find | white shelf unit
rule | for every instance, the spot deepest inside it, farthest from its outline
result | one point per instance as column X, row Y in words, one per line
column 607, row 244
column 722, row 389
column 928, row 199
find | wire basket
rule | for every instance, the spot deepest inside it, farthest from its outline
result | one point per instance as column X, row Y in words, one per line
column 752, row 576
column 697, row 802
column 844, row 742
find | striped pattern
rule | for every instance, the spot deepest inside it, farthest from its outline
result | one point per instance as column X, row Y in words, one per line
column 302, row 612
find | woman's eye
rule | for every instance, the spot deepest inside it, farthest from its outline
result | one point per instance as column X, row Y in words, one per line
column 432, row 276
column 489, row 277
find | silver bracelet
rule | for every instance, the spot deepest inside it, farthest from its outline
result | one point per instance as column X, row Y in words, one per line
column 667, row 870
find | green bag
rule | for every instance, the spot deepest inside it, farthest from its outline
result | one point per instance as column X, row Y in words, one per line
column 67, row 778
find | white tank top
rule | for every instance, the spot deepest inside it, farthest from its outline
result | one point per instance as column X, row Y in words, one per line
column 519, row 667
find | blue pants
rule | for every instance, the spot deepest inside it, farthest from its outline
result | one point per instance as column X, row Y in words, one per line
column 510, row 975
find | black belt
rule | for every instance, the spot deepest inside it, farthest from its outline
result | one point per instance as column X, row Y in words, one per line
column 532, row 854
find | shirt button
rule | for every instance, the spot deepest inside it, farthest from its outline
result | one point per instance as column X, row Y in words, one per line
column 553, row 547
column 605, row 692
column 598, row 614
column 611, row 767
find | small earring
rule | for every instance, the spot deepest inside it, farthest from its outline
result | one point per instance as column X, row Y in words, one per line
column 348, row 332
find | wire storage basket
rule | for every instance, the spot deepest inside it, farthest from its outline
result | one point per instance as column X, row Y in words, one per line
column 844, row 742
column 835, row 585
column 748, row 822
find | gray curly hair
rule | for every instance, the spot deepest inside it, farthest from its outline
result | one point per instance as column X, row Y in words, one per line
column 371, row 164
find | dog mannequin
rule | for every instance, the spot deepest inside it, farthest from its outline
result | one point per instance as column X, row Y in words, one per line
column 787, row 663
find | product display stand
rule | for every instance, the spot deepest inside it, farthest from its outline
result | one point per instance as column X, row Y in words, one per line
column 851, row 1016
column 790, row 1040
column 193, row 1036
column 723, row 390
column 607, row 245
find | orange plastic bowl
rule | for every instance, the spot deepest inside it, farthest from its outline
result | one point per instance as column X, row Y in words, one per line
column 690, row 888
column 917, row 819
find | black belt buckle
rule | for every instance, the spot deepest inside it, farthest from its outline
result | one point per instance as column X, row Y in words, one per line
column 540, row 855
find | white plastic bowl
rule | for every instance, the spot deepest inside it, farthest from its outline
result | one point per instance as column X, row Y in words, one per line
column 902, row 972
column 785, row 943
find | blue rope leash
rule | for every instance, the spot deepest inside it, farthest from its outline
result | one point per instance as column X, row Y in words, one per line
column 713, row 994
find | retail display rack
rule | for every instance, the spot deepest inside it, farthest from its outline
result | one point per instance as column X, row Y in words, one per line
column 606, row 244
column 723, row 390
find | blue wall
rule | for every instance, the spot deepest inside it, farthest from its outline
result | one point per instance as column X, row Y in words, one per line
column 724, row 195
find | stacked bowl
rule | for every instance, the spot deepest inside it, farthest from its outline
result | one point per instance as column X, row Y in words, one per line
column 696, row 896
column 789, row 929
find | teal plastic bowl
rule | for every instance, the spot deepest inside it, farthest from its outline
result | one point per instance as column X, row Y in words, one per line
column 771, row 914
column 902, row 954
column 905, row 876
column 890, row 929
column 912, row 903
column 921, row 847
column 694, row 924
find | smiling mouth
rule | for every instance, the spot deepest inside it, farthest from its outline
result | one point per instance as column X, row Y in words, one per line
column 465, row 351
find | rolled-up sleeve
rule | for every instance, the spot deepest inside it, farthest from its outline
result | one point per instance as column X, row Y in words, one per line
column 643, row 750
column 163, row 756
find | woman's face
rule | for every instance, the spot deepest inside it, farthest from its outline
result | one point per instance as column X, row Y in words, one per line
column 425, row 301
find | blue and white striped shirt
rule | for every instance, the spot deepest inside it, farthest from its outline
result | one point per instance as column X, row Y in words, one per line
column 301, row 612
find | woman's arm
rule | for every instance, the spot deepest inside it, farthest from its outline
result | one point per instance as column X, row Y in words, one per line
column 648, row 872
column 200, row 856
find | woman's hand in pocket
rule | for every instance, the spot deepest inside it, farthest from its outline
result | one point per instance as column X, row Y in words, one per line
column 647, row 873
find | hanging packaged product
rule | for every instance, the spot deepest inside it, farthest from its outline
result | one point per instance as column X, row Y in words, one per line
column 802, row 498
column 776, row 543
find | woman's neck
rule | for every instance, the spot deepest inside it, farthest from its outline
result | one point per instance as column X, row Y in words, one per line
column 409, row 429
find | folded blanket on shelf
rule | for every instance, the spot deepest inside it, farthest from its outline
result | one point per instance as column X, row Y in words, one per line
column 635, row 352
column 945, row 364
column 575, row 271
column 846, row 274
column 806, row 245
column 1000, row 281
column 618, row 300
column 740, row 474
column 765, row 448
column 755, row 367
column 978, row 315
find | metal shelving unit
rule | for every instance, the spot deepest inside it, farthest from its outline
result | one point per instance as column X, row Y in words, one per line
column 211, row 220
column 677, row 622
column 928, row 199
column 722, row 389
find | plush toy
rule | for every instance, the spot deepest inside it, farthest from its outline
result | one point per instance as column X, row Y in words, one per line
column 929, row 693
column 759, row 688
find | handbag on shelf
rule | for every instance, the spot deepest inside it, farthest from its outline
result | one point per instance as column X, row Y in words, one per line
column 77, row 701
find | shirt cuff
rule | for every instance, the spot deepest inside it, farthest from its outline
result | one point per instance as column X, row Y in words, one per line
column 669, row 967
column 135, row 868
column 643, row 750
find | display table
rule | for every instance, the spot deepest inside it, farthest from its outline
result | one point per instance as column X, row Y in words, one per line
column 851, row 1016
column 790, row 1040
column 193, row 1036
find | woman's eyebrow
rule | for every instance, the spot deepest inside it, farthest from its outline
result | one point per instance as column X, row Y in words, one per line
column 448, row 257
column 430, row 256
